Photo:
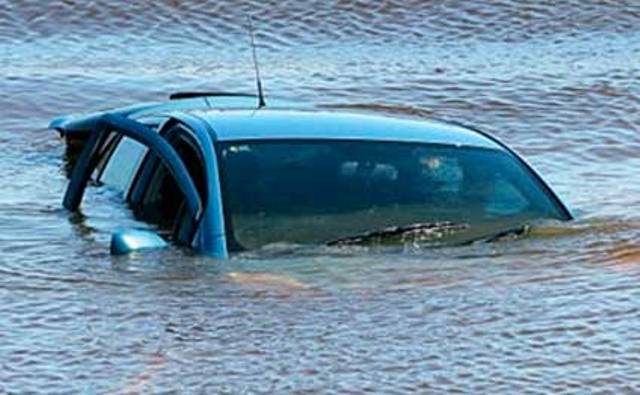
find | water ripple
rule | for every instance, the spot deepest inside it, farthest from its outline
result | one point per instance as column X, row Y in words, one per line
column 555, row 311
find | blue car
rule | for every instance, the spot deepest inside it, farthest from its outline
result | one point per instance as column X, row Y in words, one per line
column 217, row 174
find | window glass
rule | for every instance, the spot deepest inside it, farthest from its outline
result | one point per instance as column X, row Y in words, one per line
column 123, row 164
column 318, row 191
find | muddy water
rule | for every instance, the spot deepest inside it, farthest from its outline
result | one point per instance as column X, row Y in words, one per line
column 556, row 311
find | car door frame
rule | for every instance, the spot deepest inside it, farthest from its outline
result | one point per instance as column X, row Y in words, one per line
column 209, row 236
column 94, row 150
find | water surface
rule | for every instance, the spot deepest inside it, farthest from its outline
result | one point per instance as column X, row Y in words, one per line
column 556, row 311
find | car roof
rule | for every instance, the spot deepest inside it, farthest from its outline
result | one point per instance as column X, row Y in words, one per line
column 269, row 124
column 234, row 117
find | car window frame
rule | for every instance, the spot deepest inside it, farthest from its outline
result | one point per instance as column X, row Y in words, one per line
column 147, row 174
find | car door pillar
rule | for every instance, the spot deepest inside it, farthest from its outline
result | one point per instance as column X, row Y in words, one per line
column 211, row 236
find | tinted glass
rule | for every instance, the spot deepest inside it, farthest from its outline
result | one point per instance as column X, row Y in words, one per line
column 319, row 191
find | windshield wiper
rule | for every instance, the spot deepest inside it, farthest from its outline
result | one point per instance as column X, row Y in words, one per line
column 510, row 233
column 414, row 233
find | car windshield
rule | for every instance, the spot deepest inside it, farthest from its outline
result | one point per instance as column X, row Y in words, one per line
column 325, row 191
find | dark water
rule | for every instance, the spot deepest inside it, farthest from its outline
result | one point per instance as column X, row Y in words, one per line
column 556, row 311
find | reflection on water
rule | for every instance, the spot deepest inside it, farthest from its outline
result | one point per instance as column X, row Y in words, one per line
column 554, row 311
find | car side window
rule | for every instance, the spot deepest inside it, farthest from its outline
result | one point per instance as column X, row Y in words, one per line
column 122, row 164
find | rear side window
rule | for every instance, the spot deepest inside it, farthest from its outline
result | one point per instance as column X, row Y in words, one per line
column 123, row 164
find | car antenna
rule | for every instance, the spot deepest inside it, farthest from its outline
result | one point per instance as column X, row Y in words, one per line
column 261, row 102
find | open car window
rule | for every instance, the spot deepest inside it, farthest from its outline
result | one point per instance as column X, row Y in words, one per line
column 318, row 191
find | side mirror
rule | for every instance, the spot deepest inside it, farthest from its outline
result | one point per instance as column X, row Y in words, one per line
column 130, row 240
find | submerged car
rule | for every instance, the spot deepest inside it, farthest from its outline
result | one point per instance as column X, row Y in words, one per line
column 217, row 174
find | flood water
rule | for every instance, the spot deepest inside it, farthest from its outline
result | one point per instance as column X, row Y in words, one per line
column 558, row 310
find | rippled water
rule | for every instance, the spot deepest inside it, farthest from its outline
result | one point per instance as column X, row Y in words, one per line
column 556, row 311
